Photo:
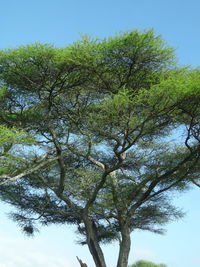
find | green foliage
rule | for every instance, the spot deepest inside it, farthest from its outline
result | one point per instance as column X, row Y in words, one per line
column 14, row 136
column 143, row 263
column 9, row 140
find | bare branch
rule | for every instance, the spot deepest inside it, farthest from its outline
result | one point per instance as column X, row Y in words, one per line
column 81, row 263
column 195, row 182
column 96, row 162
column 60, row 162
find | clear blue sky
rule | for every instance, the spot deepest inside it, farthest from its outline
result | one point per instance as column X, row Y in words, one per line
column 61, row 22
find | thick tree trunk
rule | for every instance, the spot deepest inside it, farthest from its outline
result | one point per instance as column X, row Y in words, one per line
column 124, row 248
column 93, row 243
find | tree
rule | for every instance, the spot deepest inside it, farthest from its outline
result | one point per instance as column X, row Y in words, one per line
column 103, row 115
column 143, row 263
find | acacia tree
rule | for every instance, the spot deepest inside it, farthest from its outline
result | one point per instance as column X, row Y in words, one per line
column 102, row 115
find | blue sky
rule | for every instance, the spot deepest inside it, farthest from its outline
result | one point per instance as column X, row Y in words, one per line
column 61, row 22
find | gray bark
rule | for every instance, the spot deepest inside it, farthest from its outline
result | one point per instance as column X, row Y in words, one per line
column 125, row 246
column 93, row 243
column 81, row 263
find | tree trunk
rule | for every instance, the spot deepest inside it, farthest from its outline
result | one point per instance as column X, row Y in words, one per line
column 124, row 248
column 93, row 243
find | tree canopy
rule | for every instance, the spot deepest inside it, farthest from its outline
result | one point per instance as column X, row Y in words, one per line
column 115, row 130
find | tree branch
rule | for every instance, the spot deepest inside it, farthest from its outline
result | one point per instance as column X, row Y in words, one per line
column 60, row 162
column 81, row 263
column 26, row 172
column 195, row 182
column 147, row 195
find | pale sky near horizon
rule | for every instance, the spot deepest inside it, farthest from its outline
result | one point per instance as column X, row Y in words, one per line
column 61, row 22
